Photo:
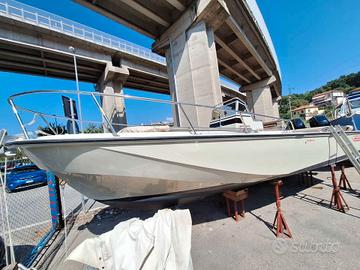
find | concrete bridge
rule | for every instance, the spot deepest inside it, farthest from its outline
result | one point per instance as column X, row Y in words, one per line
column 37, row 42
column 202, row 39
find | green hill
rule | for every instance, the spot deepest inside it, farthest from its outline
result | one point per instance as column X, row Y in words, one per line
column 345, row 83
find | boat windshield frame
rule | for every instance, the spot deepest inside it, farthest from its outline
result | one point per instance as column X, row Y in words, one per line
column 227, row 106
column 106, row 121
column 357, row 99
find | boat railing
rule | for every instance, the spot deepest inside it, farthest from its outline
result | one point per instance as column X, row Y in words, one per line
column 107, row 123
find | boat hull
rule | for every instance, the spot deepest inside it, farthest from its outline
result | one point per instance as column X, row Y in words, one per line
column 108, row 169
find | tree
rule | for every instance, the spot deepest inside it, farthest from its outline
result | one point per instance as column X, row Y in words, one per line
column 92, row 128
column 297, row 100
column 52, row 129
column 344, row 83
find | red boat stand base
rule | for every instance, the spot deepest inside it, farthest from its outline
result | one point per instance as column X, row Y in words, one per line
column 236, row 197
column 280, row 224
column 337, row 198
column 344, row 182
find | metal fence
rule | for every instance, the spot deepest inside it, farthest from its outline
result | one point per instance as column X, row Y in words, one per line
column 21, row 12
column 25, row 218
column 29, row 218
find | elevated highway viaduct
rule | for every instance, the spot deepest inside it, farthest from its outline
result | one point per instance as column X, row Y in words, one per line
column 37, row 42
column 201, row 40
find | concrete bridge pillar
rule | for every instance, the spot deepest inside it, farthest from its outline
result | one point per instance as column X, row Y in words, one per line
column 111, row 82
column 275, row 102
column 193, row 73
column 260, row 101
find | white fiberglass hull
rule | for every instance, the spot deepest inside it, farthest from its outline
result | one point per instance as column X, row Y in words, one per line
column 108, row 168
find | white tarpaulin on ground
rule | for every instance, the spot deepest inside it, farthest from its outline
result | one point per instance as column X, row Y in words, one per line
column 160, row 242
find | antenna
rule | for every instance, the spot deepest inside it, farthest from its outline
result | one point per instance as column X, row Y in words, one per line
column 72, row 49
column 290, row 88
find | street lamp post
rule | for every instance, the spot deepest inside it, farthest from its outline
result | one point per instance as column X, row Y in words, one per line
column 72, row 49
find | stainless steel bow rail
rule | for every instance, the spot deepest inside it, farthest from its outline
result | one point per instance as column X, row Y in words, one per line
column 107, row 122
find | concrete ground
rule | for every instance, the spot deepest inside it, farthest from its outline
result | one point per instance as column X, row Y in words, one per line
column 323, row 238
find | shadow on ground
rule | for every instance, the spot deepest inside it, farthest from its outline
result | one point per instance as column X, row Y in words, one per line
column 204, row 210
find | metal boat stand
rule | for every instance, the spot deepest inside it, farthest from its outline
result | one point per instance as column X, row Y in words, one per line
column 344, row 182
column 279, row 222
column 235, row 197
column 337, row 198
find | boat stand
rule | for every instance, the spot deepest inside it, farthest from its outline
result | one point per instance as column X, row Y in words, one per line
column 279, row 222
column 235, row 197
column 344, row 182
column 337, row 198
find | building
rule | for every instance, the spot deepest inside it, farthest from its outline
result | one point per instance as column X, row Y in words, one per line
column 333, row 97
column 306, row 111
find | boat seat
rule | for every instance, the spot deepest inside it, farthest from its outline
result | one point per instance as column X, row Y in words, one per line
column 253, row 124
column 139, row 129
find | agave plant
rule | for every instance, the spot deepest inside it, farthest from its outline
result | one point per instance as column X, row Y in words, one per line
column 52, row 129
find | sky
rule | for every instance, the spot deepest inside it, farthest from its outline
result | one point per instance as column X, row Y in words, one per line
column 316, row 41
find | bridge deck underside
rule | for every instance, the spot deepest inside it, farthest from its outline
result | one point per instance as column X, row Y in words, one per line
column 150, row 17
column 34, row 61
column 243, row 68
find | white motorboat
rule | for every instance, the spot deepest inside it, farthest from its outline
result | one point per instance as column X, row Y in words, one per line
column 167, row 162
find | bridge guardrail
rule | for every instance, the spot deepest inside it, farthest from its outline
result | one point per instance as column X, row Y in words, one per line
column 21, row 12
